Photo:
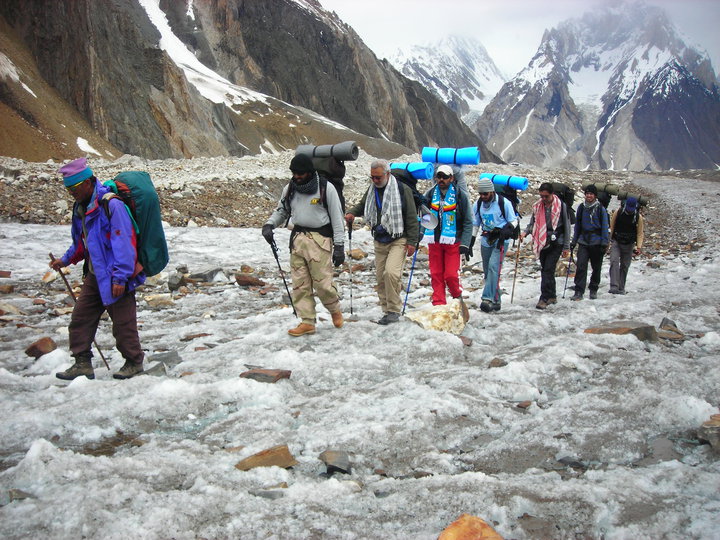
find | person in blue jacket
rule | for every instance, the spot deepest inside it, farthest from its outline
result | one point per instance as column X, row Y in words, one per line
column 497, row 227
column 103, row 236
column 592, row 236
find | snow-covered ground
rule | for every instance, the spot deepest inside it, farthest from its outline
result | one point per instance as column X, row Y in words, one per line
column 606, row 449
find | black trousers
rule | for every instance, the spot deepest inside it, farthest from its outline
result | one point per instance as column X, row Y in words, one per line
column 593, row 255
column 548, row 262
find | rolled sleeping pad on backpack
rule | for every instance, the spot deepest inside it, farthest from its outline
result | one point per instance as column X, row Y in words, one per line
column 344, row 151
column 642, row 201
column 515, row 182
column 611, row 189
column 418, row 169
column 457, row 156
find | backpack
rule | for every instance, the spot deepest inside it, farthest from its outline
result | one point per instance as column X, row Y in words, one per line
column 404, row 176
column 330, row 169
column 566, row 195
column 136, row 191
column 501, row 203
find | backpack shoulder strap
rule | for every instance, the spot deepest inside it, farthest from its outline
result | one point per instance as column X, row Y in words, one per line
column 501, row 204
column 323, row 191
column 105, row 203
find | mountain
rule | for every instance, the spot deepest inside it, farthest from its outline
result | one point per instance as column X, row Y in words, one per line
column 457, row 69
column 157, row 78
column 617, row 88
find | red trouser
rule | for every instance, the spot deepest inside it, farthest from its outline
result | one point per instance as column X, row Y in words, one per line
column 86, row 317
column 444, row 269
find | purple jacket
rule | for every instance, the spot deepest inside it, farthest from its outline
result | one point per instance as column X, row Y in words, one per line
column 112, row 244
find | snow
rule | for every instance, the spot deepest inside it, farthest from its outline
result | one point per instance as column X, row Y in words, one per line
column 9, row 71
column 430, row 412
column 85, row 146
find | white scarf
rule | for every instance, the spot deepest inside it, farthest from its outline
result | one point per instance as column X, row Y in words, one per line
column 391, row 217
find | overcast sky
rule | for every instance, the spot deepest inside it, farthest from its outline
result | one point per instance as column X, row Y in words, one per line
column 510, row 30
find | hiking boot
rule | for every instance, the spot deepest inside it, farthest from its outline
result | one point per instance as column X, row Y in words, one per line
column 542, row 304
column 614, row 291
column 486, row 306
column 389, row 318
column 496, row 306
column 593, row 295
column 576, row 297
column 129, row 370
column 82, row 366
column 552, row 300
column 337, row 319
column 302, row 329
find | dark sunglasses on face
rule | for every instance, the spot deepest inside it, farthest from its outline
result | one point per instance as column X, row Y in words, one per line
column 377, row 177
column 442, row 176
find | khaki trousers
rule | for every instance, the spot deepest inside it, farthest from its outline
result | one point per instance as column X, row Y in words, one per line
column 389, row 262
column 312, row 274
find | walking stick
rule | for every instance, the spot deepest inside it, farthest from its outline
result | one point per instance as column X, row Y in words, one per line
column 274, row 247
column 517, row 259
column 72, row 294
column 412, row 269
column 567, row 275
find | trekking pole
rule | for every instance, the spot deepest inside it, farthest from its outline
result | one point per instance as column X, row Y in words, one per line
column 274, row 247
column 351, row 270
column 517, row 259
column 567, row 275
column 72, row 294
column 412, row 269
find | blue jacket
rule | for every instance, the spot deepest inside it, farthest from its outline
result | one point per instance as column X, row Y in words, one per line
column 111, row 242
column 592, row 227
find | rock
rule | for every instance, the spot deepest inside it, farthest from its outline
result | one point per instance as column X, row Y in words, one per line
column 710, row 432
column 336, row 461
column 497, row 362
column 248, row 280
column 446, row 318
column 159, row 300
column 271, row 494
column 169, row 358
column 6, row 288
column 190, row 337
column 158, row 370
column 468, row 527
column 175, row 281
column 466, row 341
column 247, row 269
column 524, row 404
column 277, row 456
column 358, row 267
column 207, row 275
column 266, row 375
column 5, row 273
column 356, row 254
column 19, row 495
column 40, row 347
column 6, row 309
column 642, row 331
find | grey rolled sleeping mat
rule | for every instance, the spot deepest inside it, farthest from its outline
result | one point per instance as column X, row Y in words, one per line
column 344, row 151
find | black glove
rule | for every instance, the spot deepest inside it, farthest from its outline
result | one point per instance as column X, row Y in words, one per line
column 338, row 256
column 465, row 250
column 267, row 232
column 472, row 243
column 507, row 232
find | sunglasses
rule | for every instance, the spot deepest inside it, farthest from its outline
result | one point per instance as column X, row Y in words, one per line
column 377, row 177
column 75, row 187
column 442, row 176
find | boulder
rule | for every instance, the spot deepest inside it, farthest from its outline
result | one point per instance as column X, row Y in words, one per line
column 336, row 461
column 446, row 318
column 159, row 300
column 357, row 254
column 207, row 275
column 5, row 273
column 468, row 527
column 277, row 456
column 7, row 288
column 266, row 375
column 642, row 331
column 248, row 280
column 40, row 347
column 710, row 432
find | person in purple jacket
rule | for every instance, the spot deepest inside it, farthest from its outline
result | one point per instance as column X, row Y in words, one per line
column 103, row 236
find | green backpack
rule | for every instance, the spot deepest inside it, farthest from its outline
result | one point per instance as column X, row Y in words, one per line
column 136, row 190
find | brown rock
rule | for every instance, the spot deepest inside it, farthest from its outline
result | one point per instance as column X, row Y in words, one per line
column 5, row 273
column 358, row 267
column 277, row 456
column 524, row 404
column 466, row 341
column 497, row 362
column 246, row 269
column 39, row 302
column 190, row 337
column 248, row 280
column 468, row 527
column 40, row 347
column 642, row 331
column 6, row 289
column 266, row 375
column 357, row 254
column 336, row 461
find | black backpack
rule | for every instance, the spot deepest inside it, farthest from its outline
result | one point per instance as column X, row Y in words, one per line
column 330, row 169
column 567, row 195
column 401, row 175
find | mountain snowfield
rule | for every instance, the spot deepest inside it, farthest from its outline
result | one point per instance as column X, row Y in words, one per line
column 607, row 448
column 458, row 69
